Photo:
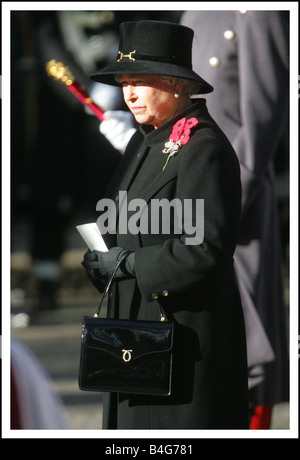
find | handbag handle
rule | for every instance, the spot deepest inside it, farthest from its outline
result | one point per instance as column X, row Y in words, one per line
column 163, row 316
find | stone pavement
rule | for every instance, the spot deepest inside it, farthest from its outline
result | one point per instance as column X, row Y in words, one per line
column 54, row 337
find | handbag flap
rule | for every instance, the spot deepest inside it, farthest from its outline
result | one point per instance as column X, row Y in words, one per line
column 127, row 339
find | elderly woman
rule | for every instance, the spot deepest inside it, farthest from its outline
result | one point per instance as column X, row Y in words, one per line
column 179, row 153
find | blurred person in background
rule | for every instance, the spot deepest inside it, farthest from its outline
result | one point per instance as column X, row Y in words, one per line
column 34, row 405
column 245, row 56
column 58, row 156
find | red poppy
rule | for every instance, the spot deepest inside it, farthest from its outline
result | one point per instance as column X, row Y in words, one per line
column 182, row 129
column 180, row 135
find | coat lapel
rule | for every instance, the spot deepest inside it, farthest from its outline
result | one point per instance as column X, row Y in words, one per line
column 125, row 172
column 161, row 179
column 152, row 188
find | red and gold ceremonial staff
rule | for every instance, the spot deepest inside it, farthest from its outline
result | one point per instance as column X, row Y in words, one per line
column 60, row 72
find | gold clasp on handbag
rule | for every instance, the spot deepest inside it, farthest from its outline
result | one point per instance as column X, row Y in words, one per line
column 126, row 56
column 126, row 355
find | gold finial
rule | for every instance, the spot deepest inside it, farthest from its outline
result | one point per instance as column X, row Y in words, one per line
column 59, row 71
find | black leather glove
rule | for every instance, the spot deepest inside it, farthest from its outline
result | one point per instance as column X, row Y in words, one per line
column 98, row 283
column 99, row 266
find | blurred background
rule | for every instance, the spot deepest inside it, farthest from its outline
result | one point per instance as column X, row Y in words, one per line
column 60, row 166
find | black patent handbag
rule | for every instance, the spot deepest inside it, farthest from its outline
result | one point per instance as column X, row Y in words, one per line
column 126, row 356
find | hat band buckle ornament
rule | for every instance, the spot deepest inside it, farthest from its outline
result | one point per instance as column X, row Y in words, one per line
column 126, row 56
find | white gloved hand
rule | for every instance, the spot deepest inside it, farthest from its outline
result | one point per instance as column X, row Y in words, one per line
column 106, row 96
column 118, row 127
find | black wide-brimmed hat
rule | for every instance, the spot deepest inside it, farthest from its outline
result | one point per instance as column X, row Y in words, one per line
column 153, row 48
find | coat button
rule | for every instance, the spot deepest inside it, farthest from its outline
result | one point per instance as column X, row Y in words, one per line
column 154, row 296
column 229, row 34
column 214, row 61
column 165, row 293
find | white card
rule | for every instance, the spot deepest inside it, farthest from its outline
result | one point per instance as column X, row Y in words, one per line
column 92, row 236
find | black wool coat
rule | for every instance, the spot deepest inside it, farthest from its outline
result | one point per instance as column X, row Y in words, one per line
column 194, row 282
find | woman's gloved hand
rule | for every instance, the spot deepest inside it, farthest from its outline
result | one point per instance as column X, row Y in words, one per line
column 118, row 127
column 99, row 266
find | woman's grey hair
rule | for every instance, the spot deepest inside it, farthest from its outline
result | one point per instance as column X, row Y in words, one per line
column 189, row 87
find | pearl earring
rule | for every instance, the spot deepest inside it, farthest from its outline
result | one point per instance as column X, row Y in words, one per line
column 176, row 95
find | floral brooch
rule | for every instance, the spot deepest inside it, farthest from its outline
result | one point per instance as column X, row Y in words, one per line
column 180, row 135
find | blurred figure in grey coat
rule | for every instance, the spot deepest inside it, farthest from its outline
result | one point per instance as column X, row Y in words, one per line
column 244, row 55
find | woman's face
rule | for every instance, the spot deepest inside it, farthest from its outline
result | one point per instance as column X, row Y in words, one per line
column 150, row 98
